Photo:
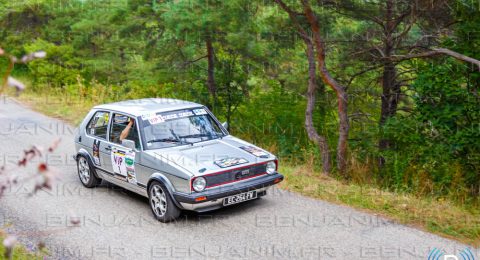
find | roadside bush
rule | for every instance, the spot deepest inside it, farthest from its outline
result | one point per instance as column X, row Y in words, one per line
column 436, row 147
column 60, row 68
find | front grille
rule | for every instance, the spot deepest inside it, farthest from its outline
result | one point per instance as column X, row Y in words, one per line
column 216, row 179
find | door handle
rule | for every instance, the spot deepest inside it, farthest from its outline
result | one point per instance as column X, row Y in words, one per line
column 108, row 148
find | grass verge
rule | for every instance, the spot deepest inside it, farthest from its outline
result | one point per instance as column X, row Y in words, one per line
column 437, row 215
column 19, row 252
column 67, row 108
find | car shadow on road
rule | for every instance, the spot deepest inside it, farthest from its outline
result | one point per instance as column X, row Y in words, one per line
column 191, row 217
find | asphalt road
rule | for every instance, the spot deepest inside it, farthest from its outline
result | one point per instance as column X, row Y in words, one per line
column 117, row 224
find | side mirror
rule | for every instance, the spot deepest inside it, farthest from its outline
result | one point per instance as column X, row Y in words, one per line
column 225, row 125
column 128, row 143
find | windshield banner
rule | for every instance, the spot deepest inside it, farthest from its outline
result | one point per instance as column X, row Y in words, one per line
column 153, row 118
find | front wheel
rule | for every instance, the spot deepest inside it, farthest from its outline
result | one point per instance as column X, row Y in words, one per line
column 161, row 204
column 86, row 175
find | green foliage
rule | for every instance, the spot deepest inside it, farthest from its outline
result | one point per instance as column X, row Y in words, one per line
column 437, row 148
column 441, row 135
column 61, row 67
column 279, row 127
column 109, row 50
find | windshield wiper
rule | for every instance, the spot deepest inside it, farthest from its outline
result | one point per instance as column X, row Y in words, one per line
column 168, row 140
column 195, row 136
column 213, row 134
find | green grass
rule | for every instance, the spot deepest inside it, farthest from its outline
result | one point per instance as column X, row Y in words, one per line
column 437, row 215
column 19, row 252
column 70, row 109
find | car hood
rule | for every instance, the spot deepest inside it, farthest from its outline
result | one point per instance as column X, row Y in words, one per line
column 206, row 157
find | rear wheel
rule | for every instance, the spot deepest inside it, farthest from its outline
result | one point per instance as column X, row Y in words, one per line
column 86, row 175
column 161, row 204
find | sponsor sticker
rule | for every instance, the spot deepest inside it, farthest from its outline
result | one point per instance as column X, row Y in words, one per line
column 96, row 152
column 255, row 151
column 156, row 120
column 123, row 163
column 153, row 118
column 171, row 116
column 199, row 111
column 185, row 114
column 230, row 161
column 147, row 116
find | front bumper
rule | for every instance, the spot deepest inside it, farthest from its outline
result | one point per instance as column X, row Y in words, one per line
column 214, row 197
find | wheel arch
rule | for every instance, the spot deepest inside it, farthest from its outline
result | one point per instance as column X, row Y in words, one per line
column 84, row 153
column 160, row 177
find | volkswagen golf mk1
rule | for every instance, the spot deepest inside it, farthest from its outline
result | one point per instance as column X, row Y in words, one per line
column 174, row 152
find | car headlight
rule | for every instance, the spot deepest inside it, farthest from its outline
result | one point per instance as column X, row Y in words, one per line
column 199, row 184
column 271, row 167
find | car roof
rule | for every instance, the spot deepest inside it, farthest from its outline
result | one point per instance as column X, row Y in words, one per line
column 139, row 107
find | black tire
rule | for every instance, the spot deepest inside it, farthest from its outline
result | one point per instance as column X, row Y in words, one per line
column 162, row 206
column 89, row 180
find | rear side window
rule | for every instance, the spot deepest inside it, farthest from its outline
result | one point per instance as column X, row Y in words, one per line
column 98, row 124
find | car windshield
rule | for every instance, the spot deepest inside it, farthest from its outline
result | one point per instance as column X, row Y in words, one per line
column 173, row 128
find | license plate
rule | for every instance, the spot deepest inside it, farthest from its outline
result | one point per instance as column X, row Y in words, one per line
column 240, row 198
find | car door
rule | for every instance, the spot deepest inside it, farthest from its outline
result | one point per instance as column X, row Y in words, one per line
column 96, row 135
column 122, row 159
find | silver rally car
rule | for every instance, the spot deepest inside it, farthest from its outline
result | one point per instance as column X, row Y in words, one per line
column 174, row 152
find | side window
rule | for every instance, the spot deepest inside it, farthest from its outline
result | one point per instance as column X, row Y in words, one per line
column 98, row 124
column 124, row 127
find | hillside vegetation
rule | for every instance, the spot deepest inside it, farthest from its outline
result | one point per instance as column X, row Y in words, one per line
column 383, row 94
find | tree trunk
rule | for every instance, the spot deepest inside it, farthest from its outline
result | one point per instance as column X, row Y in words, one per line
column 343, row 132
column 342, row 97
column 311, row 95
column 212, row 89
column 390, row 87
column 389, row 98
